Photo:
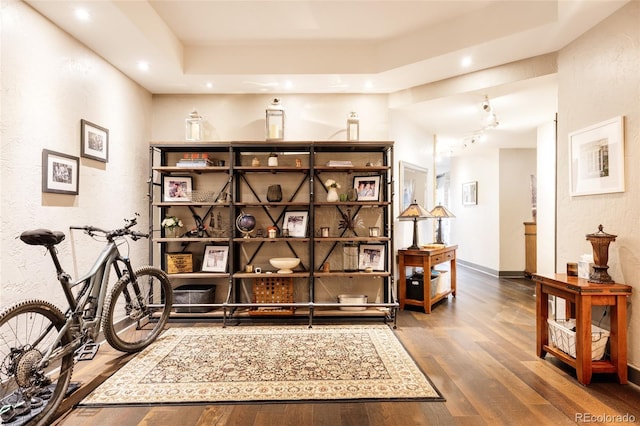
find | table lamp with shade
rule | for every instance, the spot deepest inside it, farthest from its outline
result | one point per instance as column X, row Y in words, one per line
column 440, row 212
column 414, row 212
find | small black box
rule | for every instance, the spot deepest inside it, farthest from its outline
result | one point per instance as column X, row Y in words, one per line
column 415, row 287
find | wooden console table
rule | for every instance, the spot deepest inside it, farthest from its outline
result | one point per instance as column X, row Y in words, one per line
column 581, row 295
column 426, row 259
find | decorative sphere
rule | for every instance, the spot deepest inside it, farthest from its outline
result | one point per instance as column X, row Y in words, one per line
column 245, row 222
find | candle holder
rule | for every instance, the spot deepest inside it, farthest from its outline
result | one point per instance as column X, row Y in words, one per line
column 600, row 242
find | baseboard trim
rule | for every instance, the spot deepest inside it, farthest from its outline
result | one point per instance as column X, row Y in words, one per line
column 476, row 267
column 633, row 375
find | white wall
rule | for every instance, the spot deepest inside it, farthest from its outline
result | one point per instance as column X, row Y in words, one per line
column 476, row 228
column 516, row 168
column 49, row 83
column 546, row 218
column 599, row 79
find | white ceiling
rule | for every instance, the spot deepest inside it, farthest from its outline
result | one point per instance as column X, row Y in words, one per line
column 356, row 46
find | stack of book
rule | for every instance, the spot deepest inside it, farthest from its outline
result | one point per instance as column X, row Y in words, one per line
column 339, row 163
column 195, row 159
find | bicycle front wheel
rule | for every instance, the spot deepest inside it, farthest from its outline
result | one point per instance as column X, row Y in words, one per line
column 137, row 309
column 30, row 392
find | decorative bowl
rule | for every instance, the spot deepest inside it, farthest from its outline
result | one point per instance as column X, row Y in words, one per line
column 284, row 264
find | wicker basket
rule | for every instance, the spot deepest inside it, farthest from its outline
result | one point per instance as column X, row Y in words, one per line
column 562, row 335
column 273, row 290
column 202, row 196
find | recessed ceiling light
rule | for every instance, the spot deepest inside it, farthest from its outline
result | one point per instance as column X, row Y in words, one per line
column 466, row 61
column 288, row 85
column 209, row 85
column 82, row 15
column 368, row 84
column 143, row 65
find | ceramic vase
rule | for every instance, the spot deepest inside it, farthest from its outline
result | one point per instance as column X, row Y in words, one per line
column 332, row 195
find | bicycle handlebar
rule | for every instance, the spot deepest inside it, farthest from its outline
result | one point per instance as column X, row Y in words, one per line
column 110, row 235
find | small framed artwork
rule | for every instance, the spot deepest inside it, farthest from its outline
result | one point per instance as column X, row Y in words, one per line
column 371, row 256
column 368, row 187
column 177, row 188
column 296, row 223
column 94, row 141
column 470, row 193
column 59, row 173
column 215, row 259
column 597, row 158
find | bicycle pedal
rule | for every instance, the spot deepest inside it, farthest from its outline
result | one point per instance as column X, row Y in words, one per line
column 87, row 352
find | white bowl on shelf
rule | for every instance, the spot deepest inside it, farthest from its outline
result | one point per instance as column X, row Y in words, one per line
column 285, row 265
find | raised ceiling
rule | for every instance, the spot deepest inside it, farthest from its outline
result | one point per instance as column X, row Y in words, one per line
column 339, row 47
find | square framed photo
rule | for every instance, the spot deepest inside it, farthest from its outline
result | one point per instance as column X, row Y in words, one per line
column 597, row 158
column 296, row 223
column 60, row 173
column 94, row 141
column 371, row 256
column 470, row 193
column 177, row 188
column 215, row 259
column 368, row 187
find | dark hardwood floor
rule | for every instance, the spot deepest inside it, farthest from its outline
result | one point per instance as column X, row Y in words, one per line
column 478, row 349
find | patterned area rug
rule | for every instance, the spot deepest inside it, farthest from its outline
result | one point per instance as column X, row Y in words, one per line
column 265, row 363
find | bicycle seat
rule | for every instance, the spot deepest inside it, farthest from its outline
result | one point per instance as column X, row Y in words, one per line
column 42, row 237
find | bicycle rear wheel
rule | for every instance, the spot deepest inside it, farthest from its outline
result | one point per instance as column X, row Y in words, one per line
column 27, row 331
column 137, row 311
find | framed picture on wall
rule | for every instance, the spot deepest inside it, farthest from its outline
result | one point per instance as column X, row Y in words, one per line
column 470, row 193
column 94, row 141
column 59, row 173
column 596, row 156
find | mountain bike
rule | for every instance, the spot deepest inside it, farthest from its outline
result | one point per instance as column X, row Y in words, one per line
column 39, row 344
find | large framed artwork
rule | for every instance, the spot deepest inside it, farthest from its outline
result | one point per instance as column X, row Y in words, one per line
column 596, row 155
column 413, row 185
column 60, row 173
column 94, row 141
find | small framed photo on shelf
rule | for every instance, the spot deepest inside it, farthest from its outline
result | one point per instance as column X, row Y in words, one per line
column 59, row 173
column 179, row 263
column 367, row 187
column 177, row 188
column 296, row 223
column 215, row 258
column 470, row 193
column 94, row 141
column 371, row 256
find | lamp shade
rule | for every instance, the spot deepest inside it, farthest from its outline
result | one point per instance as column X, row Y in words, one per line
column 441, row 211
column 414, row 211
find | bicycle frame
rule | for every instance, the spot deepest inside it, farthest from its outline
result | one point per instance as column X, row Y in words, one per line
column 85, row 309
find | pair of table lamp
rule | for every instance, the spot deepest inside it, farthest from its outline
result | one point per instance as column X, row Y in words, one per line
column 416, row 212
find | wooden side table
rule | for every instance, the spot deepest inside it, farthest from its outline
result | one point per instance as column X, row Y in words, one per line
column 581, row 295
column 425, row 259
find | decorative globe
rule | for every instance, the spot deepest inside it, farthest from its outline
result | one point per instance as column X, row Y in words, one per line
column 245, row 223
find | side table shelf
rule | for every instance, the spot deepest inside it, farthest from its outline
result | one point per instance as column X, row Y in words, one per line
column 581, row 296
column 425, row 259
